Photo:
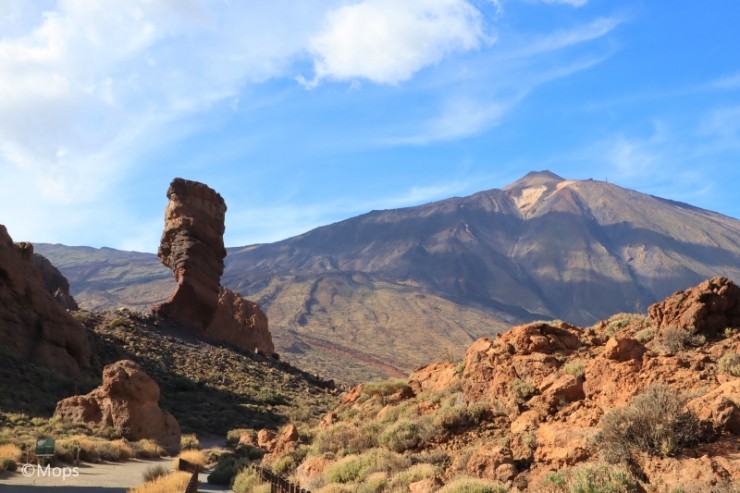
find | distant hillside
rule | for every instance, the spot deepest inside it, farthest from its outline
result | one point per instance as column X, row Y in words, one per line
column 385, row 291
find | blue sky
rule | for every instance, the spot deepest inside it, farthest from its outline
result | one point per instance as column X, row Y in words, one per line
column 302, row 113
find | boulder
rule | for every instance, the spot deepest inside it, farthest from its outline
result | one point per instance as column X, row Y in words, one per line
column 192, row 246
column 32, row 324
column 705, row 309
column 620, row 348
column 128, row 400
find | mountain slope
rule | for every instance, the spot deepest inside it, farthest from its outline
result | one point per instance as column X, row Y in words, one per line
column 381, row 292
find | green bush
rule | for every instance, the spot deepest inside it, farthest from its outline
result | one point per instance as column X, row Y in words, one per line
column 655, row 422
column 225, row 470
column 729, row 364
column 403, row 435
column 9, row 465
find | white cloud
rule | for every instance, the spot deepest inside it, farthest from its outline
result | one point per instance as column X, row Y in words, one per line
column 386, row 41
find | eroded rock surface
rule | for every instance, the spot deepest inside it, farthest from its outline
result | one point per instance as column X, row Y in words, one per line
column 55, row 282
column 32, row 323
column 128, row 400
column 192, row 246
column 705, row 309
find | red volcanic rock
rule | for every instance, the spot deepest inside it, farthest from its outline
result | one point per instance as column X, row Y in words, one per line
column 492, row 462
column 623, row 349
column 128, row 400
column 241, row 322
column 706, row 309
column 192, row 246
column 55, row 282
column 434, row 377
column 32, row 324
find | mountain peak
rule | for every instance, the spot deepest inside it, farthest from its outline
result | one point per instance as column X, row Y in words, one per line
column 533, row 187
column 535, row 179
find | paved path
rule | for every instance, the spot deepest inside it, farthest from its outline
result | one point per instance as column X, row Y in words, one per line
column 113, row 477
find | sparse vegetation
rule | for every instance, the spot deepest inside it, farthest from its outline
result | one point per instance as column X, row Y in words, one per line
column 600, row 478
column 655, row 422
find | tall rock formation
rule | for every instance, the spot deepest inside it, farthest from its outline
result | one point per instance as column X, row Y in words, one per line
column 192, row 246
column 32, row 324
column 54, row 282
column 128, row 400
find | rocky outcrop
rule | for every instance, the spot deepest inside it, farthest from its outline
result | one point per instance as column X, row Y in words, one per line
column 192, row 246
column 128, row 400
column 32, row 323
column 705, row 309
column 543, row 398
column 55, row 282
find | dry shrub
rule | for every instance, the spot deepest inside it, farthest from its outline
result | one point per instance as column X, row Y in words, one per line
column 189, row 442
column 522, row 388
column 729, row 364
column 676, row 340
column 454, row 418
column 197, row 457
column 171, row 483
column 153, row 472
column 655, row 422
column 345, row 439
column 147, row 449
column 575, row 368
column 383, row 388
column 10, row 451
column 93, row 449
column 473, row 485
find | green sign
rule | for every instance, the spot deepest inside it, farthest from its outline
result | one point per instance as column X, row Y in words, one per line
column 45, row 447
